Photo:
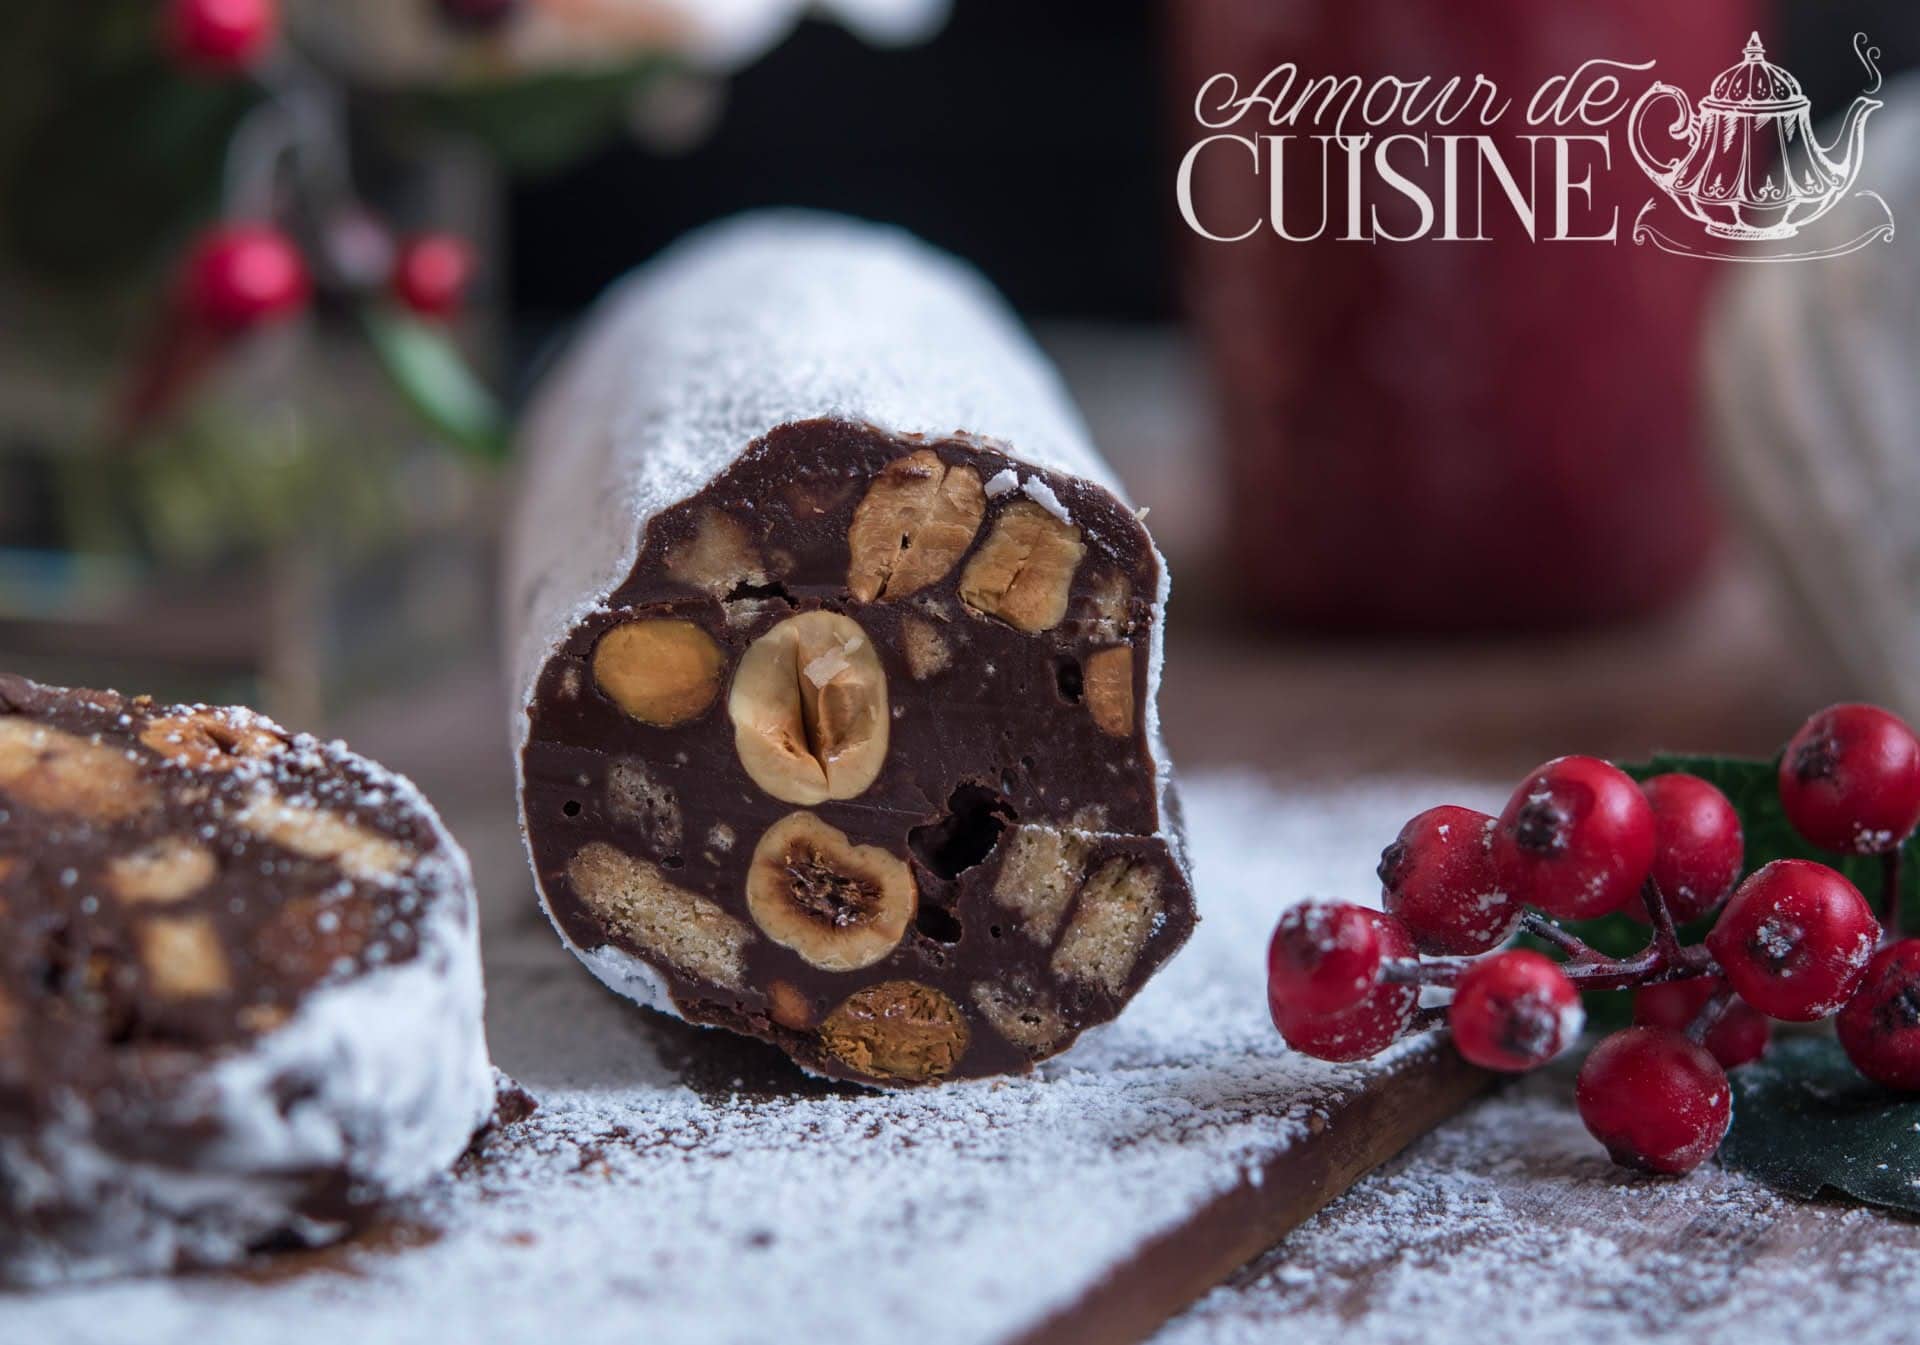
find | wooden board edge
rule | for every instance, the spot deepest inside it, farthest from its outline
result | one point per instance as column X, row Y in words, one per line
column 1182, row 1264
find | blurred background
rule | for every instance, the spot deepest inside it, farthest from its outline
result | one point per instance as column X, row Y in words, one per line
column 274, row 278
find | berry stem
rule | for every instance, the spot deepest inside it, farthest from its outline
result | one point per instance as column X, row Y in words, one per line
column 1710, row 1015
column 1890, row 892
column 1665, row 937
column 1577, row 949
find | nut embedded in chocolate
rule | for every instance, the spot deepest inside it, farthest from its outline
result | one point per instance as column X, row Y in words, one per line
column 171, row 869
column 212, row 739
column 662, row 671
column 1023, row 573
column 840, row 906
column 718, row 558
column 1108, row 687
column 809, row 709
column 59, row 772
column 915, row 522
column 897, row 1031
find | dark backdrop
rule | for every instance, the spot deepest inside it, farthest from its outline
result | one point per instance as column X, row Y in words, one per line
column 1030, row 137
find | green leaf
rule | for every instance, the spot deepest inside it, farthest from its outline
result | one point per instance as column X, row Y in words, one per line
column 1804, row 1121
column 429, row 371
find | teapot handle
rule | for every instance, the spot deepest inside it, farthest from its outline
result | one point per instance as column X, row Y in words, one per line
column 1683, row 128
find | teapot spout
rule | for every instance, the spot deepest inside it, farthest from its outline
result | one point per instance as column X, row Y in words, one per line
column 1852, row 140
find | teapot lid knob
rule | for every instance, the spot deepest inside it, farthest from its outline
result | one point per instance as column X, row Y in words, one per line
column 1755, row 51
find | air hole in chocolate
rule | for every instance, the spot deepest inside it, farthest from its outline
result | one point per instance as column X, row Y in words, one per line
column 1070, row 680
column 937, row 923
column 744, row 590
column 966, row 835
column 571, row 807
column 994, row 930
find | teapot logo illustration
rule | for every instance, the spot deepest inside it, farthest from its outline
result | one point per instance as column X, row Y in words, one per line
column 1749, row 170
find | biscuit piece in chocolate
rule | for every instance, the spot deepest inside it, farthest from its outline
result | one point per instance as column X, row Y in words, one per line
column 239, row 987
column 838, row 651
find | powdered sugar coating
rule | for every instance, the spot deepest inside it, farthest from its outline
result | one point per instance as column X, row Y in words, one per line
column 633, row 1207
column 745, row 326
column 381, row 1078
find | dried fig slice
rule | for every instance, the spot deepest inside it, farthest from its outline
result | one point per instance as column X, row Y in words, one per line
column 840, row 906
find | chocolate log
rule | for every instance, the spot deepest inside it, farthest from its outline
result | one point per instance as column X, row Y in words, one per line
column 836, row 651
column 239, row 987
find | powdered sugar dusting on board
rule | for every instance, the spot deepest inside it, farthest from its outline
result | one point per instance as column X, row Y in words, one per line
column 650, row 1197
column 1510, row 1224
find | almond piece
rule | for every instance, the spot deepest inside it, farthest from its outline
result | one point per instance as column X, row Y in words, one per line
column 183, row 957
column 1023, row 572
column 59, row 772
column 1108, row 685
column 210, row 739
column 318, row 834
column 840, row 906
column 809, row 709
column 914, row 523
column 661, row 671
column 718, row 558
column 171, row 869
column 897, row 1032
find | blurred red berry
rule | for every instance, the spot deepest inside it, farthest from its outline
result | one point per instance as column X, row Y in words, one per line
column 1514, row 1011
column 432, row 274
column 1880, row 1027
column 1362, row 1029
column 1438, row 879
column 1656, row 1100
column 1698, row 851
column 1323, row 957
column 1850, row 780
column 1576, row 839
column 243, row 275
column 220, row 36
column 1795, row 940
column 1739, row 1036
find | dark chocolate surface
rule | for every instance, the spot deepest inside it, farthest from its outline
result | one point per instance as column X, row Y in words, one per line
column 275, row 866
column 1000, row 737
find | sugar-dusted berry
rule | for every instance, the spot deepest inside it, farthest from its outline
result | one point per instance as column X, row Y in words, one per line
column 1657, row 1101
column 1438, row 879
column 1576, row 839
column 1514, row 1011
column 1794, row 940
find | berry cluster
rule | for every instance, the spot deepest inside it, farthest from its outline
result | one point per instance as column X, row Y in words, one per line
column 1794, row 940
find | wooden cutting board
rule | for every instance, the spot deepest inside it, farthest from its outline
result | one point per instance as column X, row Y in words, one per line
column 678, row 1185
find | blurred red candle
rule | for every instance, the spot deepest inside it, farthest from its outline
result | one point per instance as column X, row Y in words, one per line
column 1452, row 435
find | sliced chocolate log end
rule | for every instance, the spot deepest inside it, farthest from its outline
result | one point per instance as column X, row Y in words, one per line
column 190, row 900
column 856, row 758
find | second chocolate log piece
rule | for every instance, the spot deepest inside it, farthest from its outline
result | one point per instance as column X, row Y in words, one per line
column 837, row 716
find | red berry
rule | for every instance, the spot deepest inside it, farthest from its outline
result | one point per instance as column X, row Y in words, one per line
column 1795, row 940
column 1576, row 839
column 1698, row 850
column 1656, row 1100
column 1439, row 881
column 246, row 274
column 1850, row 780
column 220, row 36
column 432, row 274
column 1738, row 1036
column 1362, row 1029
column 1323, row 957
column 1514, row 1011
column 1880, row 1027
